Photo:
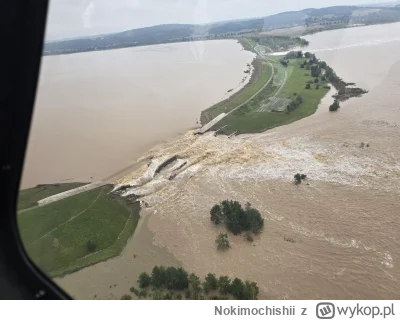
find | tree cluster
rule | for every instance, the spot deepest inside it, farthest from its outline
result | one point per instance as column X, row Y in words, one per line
column 236, row 218
column 178, row 279
column 294, row 55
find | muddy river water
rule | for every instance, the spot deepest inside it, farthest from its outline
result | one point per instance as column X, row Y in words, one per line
column 344, row 221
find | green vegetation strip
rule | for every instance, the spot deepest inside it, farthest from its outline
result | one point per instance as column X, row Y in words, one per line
column 261, row 74
column 75, row 232
column 248, row 119
column 170, row 283
column 29, row 198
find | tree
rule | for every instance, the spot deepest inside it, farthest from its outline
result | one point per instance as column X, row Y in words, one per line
column 91, row 246
column 222, row 241
column 237, row 289
column 158, row 276
column 297, row 178
column 308, row 86
column 315, row 70
column 216, row 214
column 256, row 221
column 334, row 106
column 176, row 278
column 323, row 64
column 316, row 80
column 126, row 297
column 251, row 290
column 210, row 283
column 224, row 284
column 182, row 279
column 194, row 286
column 144, row 280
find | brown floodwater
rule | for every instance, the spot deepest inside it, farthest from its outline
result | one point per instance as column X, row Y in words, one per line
column 343, row 222
column 97, row 112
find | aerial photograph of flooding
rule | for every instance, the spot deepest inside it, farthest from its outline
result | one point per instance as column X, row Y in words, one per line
column 251, row 159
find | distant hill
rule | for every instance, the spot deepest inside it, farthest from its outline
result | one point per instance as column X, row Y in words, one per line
column 330, row 17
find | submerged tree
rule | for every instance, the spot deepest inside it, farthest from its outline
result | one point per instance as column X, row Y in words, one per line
column 334, row 106
column 222, row 241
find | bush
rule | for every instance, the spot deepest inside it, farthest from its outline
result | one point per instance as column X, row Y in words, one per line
column 134, row 291
column 91, row 246
column 297, row 178
column 308, row 86
column 144, row 280
column 222, row 241
column 334, row 106
column 284, row 62
column 316, row 80
column 126, row 297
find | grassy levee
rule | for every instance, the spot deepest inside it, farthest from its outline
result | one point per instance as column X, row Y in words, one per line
column 29, row 198
column 261, row 74
column 56, row 236
column 248, row 120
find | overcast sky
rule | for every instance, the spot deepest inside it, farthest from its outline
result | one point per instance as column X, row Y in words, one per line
column 73, row 18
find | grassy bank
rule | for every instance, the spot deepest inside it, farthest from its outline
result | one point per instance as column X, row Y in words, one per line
column 251, row 119
column 29, row 198
column 75, row 232
column 261, row 74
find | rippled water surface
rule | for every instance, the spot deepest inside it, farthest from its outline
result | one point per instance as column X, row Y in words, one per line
column 344, row 219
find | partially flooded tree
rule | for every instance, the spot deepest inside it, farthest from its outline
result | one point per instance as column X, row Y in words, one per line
column 224, row 284
column 334, row 106
column 194, row 286
column 222, row 242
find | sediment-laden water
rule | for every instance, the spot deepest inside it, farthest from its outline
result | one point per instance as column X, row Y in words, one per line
column 97, row 112
column 344, row 219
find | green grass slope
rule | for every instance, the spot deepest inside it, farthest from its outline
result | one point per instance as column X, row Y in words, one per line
column 248, row 119
column 56, row 236
column 29, row 197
